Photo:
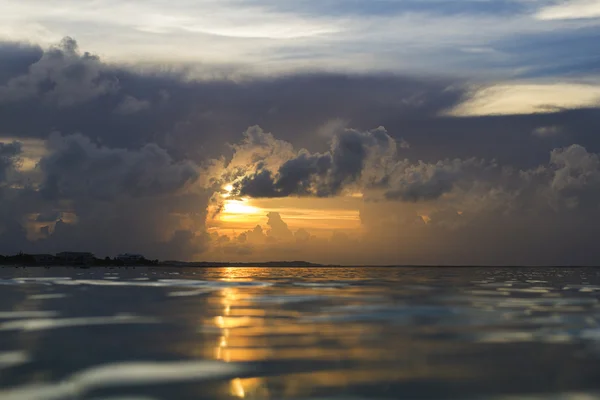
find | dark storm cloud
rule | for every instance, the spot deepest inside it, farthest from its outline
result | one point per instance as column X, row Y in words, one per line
column 321, row 175
column 541, row 216
column 295, row 177
column 194, row 119
column 353, row 156
column 118, row 200
column 62, row 77
column 148, row 225
column 107, row 201
column 75, row 168
column 576, row 179
column 478, row 212
column 52, row 216
column 9, row 153
column 16, row 58
column 131, row 105
column 71, row 91
column 424, row 181
column 365, row 160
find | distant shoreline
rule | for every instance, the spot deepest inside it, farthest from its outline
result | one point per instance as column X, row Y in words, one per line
column 283, row 265
column 89, row 261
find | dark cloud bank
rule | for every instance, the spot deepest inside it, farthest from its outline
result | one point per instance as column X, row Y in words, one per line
column 130, row 156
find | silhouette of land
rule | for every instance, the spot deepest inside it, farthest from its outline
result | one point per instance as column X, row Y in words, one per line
column 85, row 260
column 241, row 264
column 73, row 259
column 88, row 259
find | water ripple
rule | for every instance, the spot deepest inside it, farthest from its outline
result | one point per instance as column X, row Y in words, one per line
column 124, row 374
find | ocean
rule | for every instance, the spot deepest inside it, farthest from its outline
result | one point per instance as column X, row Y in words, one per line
column 168, row 333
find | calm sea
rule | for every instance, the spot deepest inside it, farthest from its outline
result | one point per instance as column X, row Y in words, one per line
column 299, row 333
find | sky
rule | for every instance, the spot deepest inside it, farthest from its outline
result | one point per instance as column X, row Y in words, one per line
column 383, row 132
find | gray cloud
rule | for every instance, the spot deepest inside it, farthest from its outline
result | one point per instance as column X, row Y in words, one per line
column 424, row 181
column 547, row 131
column 105, row 200
column 16, row 58
column 77, row 168
column 195, row 119
column 576, row 176
column 131, row 105
column 352, row 154
column 62, row 77
column 71, row 91
column 51, row 216
column 9, row 153
column 540, row 216
column 544, row 215
column 150, row 225
column 429, row 181
column 360, row 160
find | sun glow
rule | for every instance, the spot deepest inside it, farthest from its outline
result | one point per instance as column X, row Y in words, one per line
column 319, row 217
column 239, row 207
column 235, row 209
column 228, row 189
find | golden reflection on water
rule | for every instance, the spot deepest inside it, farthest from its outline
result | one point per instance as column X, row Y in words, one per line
column 308, row 340
column 251, row 331
column 236, row 324
column 226, row 322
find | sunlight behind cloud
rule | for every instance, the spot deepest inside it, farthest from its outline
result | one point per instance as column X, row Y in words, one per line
column 33, row 151
column 574, row 9
column 318, row 216
column 528, row 99
column 237, row 208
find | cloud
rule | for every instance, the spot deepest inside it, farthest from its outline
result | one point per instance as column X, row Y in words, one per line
column 253, row 236
column 552, row 204
column 424, row 181
column 61, row 77
column 131, row 105
column 302, row 235
column 478, row 226
column 352, row 155
column 252, row 37
column 576, row 179
column 507, row 99
column 360, row 160
column 49, row 217
column 277, row 231
column 278, row 228
column 136, row 183
column 572, row 9
column 9, row 153
column 17, row 57
column 547, row 131
column 258, row 145
column 77, row 168
column 105, row 200
column 141, row 182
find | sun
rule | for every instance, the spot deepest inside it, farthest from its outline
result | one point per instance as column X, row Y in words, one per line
column 239, row 207
column 228, row 189
column 236, row 209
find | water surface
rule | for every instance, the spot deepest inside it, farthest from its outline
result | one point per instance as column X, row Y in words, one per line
column 299, row 333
